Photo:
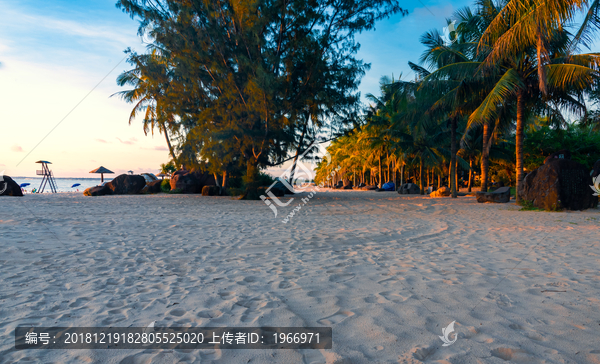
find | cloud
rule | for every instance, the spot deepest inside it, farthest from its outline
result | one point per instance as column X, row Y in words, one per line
column 131, row 141
column 101, row 141
column 16, row 148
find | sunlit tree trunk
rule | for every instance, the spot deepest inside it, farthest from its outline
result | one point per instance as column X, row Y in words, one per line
column 519, row 139
column 470, row 173
column 485, row 157
column 421, row 175
column 453, row 159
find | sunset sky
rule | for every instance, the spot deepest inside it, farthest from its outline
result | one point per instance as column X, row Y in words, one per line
column 53, row 54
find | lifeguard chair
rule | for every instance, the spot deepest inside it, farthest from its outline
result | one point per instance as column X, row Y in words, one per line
column 47, row 179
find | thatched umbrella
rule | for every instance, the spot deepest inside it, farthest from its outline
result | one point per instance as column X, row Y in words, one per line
column 102, row 170
column 162, row 175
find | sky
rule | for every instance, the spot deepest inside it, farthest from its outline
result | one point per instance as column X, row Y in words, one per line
column 59, row 62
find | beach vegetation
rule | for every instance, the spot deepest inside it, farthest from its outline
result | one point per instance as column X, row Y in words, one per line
column 247, row 85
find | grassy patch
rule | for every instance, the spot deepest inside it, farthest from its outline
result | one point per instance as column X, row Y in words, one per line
column 527, row 205
column 175, row 191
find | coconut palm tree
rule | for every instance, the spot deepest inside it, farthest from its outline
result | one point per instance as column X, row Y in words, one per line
column 150, row 80
column 531, row 64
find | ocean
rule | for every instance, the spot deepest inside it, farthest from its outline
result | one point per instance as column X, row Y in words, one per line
column 62, row 184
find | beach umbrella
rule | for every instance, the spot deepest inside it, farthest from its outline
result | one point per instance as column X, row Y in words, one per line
column 162, row 175
column 102, row 170
column 76, row 185
column 23, row 185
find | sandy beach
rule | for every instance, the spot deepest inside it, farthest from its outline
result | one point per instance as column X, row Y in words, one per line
column 386, row 271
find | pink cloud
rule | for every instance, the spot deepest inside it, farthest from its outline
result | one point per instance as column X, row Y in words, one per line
column 102, row 141
column 131, row 141
column 16, row 148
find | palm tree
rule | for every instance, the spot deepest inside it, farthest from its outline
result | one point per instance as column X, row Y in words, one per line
column 531, row 52
column 150, row 81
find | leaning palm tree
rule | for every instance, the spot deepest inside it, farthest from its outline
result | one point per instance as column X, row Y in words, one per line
column 150, row 81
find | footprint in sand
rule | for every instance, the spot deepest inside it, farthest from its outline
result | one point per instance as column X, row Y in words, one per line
column 210, row 314
column 511, row 354
column 336, row 318
column 422, row 354
column 340, row 278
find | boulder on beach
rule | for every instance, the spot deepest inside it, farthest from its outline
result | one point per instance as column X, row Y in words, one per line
column 501, row 195
column 561, row 154
column 409, row 189
column 596, row 169
column 440, row 192
column 149, row 177
column 127, row 184
column 152, row 187
column 347, row 184
column 191, row 181
column 559, row 184
column 211, row 191
column 8, row 187
column 98, row 191
column 369, row 188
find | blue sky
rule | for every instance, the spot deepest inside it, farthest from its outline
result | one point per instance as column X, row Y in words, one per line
column 53, row 53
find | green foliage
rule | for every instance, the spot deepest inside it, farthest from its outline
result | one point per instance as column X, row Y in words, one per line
column 583, row 144
column 237, row 82
column 175, row 191
column 265, row 179
column 165, row 185
column 528, row 206
column 168, row 168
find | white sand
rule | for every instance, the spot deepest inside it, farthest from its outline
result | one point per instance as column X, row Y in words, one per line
column 387, row 272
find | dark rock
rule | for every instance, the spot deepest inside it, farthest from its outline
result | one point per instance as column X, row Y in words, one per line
column 127, row 184
column 409, row 189
column 561, row 154
column 152, row 187
column 282, row 189
column 361, row 185
column 8, row 187
column 440, row 192
column 277, row 192
column 501, row 195
column 98, row 191
column 211, row 191
column 191, row 181
column 369, row 188
column 596, row 169
column 558, row 184
column 347, row 184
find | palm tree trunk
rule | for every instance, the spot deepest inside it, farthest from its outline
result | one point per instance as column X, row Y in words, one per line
column 380, row 174
column 439, row 180
column 470, row 173
column 427, row 179
column 169, row 145
column 519, row 139
column 421, row 175
column 402, row 175
column 453, row 159
column 485, row 157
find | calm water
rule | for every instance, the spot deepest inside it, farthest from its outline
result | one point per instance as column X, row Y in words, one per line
column 62, row 184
